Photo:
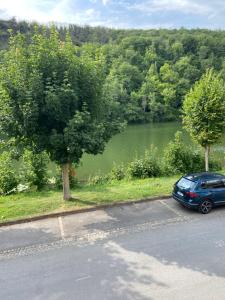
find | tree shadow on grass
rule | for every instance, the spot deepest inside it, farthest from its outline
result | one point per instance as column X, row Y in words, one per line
column 36, row 194
column 82, row 202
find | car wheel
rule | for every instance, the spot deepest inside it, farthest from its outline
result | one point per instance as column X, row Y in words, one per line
column 205, row 206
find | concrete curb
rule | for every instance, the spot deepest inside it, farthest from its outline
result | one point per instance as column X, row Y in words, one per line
column 81, row 210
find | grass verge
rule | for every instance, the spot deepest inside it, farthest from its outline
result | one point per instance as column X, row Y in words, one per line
column 29, row 204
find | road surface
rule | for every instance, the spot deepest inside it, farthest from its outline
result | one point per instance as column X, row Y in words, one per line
column 154, row 250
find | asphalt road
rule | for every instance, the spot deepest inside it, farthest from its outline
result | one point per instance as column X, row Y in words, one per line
column 155, row 250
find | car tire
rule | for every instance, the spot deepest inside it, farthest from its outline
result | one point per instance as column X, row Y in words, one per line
column 206, row 206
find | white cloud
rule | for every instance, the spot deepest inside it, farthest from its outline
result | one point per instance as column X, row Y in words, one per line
column 60, row 12
column 49, row 11
column 185, row 6
column 105, row 2
column 25, row 9
column 119, row 14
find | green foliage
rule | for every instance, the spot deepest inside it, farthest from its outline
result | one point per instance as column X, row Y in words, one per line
column 215, row 164
column 51, row 83
column 118, row 172
column 179, row 58
column 145, row 167
column 8, row 179
column 98, row 179
column 204, row 109
column 178, row 158
column 181, row 159
column 34, row 167
column 51, row 98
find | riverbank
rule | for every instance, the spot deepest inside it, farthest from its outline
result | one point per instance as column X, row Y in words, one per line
column 124, row 147
column 31, row 204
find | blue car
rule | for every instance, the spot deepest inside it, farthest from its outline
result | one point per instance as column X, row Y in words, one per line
column 200, row 191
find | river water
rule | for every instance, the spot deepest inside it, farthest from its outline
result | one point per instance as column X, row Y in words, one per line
column 133, row 141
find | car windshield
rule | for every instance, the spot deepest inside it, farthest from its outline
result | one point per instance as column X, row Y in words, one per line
column 185, row 183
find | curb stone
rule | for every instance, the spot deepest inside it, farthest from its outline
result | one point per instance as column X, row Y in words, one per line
column 81, row 210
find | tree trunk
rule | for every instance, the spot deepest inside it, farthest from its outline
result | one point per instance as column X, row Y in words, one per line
column 207, row 158
column 66, row 181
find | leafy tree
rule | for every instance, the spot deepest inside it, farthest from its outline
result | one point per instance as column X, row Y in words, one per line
column 177, row 50
column 134, row 58
column 150, row 56
column 179, row 57
column 189, row 43
column 204, row 110
column 128, row 75
column 155, row 97
column 168, row 74
column 51, row 97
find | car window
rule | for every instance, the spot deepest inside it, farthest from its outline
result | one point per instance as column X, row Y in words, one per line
column 213, row 184
column 185, row 183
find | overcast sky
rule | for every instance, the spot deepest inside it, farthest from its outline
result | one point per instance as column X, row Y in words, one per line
column 120, row 13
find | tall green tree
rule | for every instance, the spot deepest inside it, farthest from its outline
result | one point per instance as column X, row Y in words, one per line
column 51, row 97
column 179, row 57
column 204, row 111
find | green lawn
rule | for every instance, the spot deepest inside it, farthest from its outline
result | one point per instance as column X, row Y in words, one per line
column 28, row 204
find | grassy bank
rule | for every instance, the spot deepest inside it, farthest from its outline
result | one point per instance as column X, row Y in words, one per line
column 29, row 204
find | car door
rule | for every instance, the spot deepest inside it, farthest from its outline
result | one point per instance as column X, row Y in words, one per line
column 217, row 191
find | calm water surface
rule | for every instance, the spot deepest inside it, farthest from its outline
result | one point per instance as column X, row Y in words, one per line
column 132, row 142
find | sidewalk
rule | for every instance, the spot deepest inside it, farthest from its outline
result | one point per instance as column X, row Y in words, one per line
column 94, row 222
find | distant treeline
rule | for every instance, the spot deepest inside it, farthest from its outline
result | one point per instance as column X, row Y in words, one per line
column 147, row 72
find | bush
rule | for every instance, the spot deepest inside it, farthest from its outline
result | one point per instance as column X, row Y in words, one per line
column 180, row 159
column 145, row 167
column 118, row 172
column 8, row 180
column 98, row 179
column 35, row 168
column 174, row 160
column 215, row 164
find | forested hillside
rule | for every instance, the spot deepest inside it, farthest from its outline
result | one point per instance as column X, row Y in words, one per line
column 147, row 72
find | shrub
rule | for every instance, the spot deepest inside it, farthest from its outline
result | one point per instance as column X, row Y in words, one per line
column 136, row 168
column 215, row 164
column 8, row 180
column 118, row 172
column 179, row 158
column 175, row 158
column 35, row 168
column 147, row 166
column 98, row 179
